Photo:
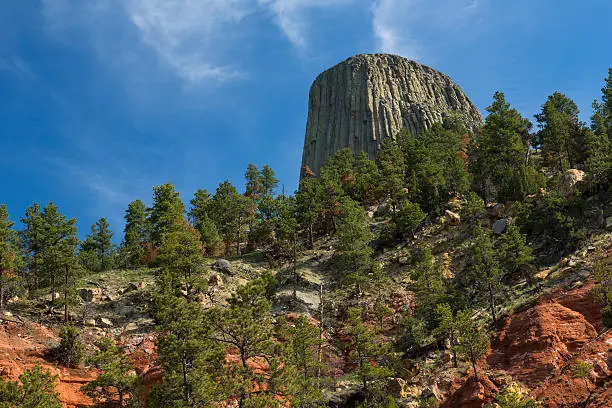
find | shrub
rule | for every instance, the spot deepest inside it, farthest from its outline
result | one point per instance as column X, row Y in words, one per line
column 37, row 390
column 70, row 350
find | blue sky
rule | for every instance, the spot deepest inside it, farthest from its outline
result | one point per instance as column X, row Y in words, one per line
column 102, row 99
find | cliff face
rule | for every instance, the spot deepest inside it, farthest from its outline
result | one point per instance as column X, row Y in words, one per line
column 367, row 98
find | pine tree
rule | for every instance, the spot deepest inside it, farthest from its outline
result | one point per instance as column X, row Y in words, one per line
column 366, row 353
column 192, row 363
column 118, row 380
column 354, row 237
column 500, row 162
column 562, row 136
column 98, row 249
column 231, row 212
column 253, row 178
column 35, row 389
column 246, row 326
column 482, row 276
column 50, row 241
column 70, row 350
column 10, row 259
column 166, row 213
column 447, row 327
column 136, row 233
column 391, row 163
column 513, row 250
column 269, row 182
column 181, row 257
column 599, row 142
column 308, row 205
column 32, row 245
column 472, row 342
column 367, row 180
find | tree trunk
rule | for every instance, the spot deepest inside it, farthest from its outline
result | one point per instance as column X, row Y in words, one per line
column 473, row 360
column 185, row 382
column 66, row 298
column 52, row 292
column 492, row 304
column 320, row 348
column 238, row 241
column 310, row 236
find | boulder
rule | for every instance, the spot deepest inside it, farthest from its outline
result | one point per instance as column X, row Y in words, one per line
column 90, row 322
column 86, row 294
column 223, row 266
column 452, row 217
column 105, row 322
column 609, row 223
column 500, row 226
column 215, row 280
column 496, row 211
column 572, row 181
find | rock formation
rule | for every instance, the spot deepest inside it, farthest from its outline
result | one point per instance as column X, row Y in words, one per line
column 367, row 98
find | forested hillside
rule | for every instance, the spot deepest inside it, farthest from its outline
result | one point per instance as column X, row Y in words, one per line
column 460, row 268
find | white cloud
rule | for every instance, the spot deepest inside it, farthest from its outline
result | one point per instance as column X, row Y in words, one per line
column 406, row 27
column 189, row 35
column 293, row 16
column 192, row 38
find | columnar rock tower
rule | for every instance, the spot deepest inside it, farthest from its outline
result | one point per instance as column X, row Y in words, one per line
column 367, row 98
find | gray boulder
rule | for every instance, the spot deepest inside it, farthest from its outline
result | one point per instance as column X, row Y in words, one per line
column 500, row 226
column 223, row 266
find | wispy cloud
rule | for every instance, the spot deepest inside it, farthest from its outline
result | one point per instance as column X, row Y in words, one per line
column 16, row 66
column 292, row 16
column 407, row 27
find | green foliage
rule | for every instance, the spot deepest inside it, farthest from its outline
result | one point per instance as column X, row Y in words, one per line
column 71, row 349
column 562, row 136
column 499, row 159
column 552, row 219
column 35, row 389
column 49, row 241
column 435, row 163
column 474, row 206
column 513, row 397
column 117, row 381
column 230, row 212
column 602, row 273
column 10, row 258
column 201, row 205
column 192, row 363
column 480, row 281
column 414, row 334
column 472, row 342
column 180, row 257
column 367, row 354
column 166, row 213
column 599, row 141
column 308, row 206
column 392, row 166
column 136, row 234
column 427, row 283
column 448, row 327
column 409, row 218
column 514, row 250
column 583, row 370
column 303, row 342
column 97, row 250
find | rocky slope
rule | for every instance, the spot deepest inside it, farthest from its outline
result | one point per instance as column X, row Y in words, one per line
column 368, row 98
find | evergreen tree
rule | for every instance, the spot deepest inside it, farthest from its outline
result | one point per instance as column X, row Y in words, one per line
column 427, row 283
column 513, row 250
column 70, row 350
column 98, row 250
column 181, row 257
column 499, row 162
column 166, row 213
column 231, row 212
column 409, row 218
column 35, row 389
column 32, row 243
column 367, row 180
column 269, row 182
column 50, row 240
column 599, row 142
column 118, row 380
column 302, row 354
column 447, row 327
column 136, row 233
column 253, row 178
column 472, row 342
column 201, row 206
column 245, row 325
column 562, row 136
column 193, row 365
column 367, row 354
column 482, row 276
column 354, row 237
column 308, row 205
column 391, row 163
column 10, row 258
